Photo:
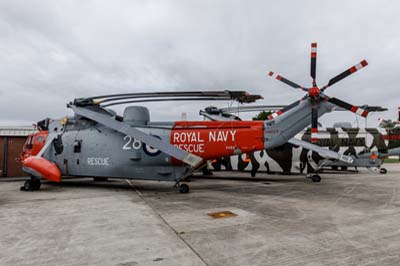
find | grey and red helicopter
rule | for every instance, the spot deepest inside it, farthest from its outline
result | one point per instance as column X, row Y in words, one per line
column 97, row 142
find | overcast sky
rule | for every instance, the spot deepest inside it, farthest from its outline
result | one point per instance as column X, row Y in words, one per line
column 54, row 51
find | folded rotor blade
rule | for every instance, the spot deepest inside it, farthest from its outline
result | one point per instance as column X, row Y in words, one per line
column 347, row 106
column 285, row 109
column 314, row 123
column 345, row 74
column 290, row 106
column 108, row 121
column 251, row 108
column 286, row 81
column 313, row 61
column 321, row 151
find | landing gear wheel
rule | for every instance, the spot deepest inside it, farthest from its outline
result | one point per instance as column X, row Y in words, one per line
column 316, row 178
column 32, row 184
column 36, row 184
column 253, row 173
column 383, row 171
column 28, row 185
column 183, row 188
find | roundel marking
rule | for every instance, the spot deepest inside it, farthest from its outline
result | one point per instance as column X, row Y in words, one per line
column 150, row 150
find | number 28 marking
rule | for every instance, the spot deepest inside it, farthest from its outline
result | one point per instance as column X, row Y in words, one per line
column 134, row 144
column 131, row 143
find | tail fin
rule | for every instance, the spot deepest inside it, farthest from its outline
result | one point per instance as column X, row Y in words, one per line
column 285, row 126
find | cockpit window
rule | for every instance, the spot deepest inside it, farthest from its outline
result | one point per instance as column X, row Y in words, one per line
column 29, row 141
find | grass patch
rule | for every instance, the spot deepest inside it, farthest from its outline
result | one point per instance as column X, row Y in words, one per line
column 391, row 160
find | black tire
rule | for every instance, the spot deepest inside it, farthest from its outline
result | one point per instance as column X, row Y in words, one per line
column 383, row 171
column 28, row 185
column 316, row 178
column 36, row 184
column 183, row 188
column 253, row 173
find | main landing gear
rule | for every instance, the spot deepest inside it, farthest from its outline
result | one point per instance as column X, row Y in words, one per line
column 183, row 188
column 32, row 184
column 315, row 178
column 383, row 171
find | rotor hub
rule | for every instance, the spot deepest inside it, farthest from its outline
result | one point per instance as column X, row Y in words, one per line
column 314, row 91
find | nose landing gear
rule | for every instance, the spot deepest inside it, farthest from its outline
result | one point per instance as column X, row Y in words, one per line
column 32, row 184
column 183, row 188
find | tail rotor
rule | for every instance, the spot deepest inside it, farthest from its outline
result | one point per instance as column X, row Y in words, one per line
column 316, row 94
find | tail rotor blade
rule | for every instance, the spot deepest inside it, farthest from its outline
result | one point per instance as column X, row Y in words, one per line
column 286, row 81
column 313, row 62
column 314, row 123
column 352, row 108
column 345, row 74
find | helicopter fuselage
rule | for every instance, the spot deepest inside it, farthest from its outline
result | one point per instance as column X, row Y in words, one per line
column 84, row 148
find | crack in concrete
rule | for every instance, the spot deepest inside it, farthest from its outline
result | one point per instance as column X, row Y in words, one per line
column 166, row 223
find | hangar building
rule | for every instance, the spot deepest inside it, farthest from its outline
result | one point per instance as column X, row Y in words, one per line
column 12, row 140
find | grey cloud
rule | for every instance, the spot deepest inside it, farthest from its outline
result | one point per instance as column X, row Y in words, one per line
column 54, row 51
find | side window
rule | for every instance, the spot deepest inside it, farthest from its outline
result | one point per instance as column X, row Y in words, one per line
column 77, row 146
column 29, row 142
column 40, row 139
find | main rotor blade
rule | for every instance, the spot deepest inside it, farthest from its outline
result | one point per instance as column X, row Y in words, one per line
column 240, row 96
column 314, row 123
column 286, row 81
column 347, row 106
column 313, row 62
column 108, row 121
column 251, row 108
column 163, row 100
column 345, row 74
column 321, row 151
